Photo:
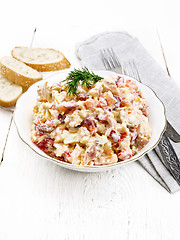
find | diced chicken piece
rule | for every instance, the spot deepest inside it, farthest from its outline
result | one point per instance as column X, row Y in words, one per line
column 144, row 129
column 54, row 113
column 141, row 140
column 113, row 159
column 60, row 135
column 101, row 127
column 84, row 135
column 74, row 119
column 43, row 106
column 132, row 116
column 89, row 104
column 105, row 160
column 108, row 148
column 44, row 92
column 84, row 113
column 102, row 140
column 96, row 91
column 71, row 138
column 60, row 149
column 111, row 121
column 111, row 100
column 59, row 97
column 76, row 155
column 102, row 118
column 144, row 133
column 109, row 84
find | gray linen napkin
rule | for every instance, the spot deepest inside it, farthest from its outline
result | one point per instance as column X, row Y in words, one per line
column 127, row 47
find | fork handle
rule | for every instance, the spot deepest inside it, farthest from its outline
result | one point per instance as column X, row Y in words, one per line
column 172, row 134
column 169, row 157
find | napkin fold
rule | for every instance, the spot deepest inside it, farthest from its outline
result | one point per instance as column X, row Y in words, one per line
column 127, row 47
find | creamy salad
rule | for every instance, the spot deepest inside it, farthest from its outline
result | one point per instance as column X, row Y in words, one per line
column 101, row 125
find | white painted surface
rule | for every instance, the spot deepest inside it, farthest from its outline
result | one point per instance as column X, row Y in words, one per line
column 5, row 122
column 39, row 200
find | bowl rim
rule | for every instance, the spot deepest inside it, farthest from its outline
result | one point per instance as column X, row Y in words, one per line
column 92, row 167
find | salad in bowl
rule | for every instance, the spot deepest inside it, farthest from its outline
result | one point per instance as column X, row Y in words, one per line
column 91, row 121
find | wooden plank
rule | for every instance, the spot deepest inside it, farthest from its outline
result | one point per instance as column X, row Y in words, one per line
column 5, row 122
column 171, row 46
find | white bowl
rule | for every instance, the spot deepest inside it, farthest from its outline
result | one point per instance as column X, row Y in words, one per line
column 24, row 111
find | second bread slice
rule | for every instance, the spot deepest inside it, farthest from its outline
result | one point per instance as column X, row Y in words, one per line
column 19, row 72
column 41, row 59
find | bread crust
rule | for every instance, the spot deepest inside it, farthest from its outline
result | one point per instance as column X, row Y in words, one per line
column 9, row 103
column 59, row 65
column 17, row 77
column 9, row 92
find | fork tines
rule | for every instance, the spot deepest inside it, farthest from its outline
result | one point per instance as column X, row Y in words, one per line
column 109, row 58
column 130, row 69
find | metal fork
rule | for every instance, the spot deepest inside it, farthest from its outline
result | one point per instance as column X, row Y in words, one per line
column 129, row 68
column 164, row 147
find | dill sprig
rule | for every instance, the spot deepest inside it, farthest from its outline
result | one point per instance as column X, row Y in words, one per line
column 80, row 77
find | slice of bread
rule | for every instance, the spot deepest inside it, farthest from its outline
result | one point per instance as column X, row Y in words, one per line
column 41, row 59
column 19, row 72
column 9, row 92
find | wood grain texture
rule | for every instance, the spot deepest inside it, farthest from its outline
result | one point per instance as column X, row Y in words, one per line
column 170, row 41
column 5, row 122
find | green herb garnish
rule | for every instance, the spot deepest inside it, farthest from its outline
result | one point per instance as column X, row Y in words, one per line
column 80, row 77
